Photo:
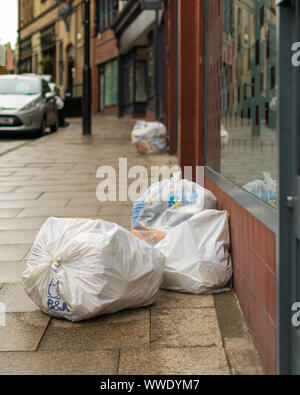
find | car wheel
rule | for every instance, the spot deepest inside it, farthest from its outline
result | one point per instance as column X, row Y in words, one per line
column 54, row 127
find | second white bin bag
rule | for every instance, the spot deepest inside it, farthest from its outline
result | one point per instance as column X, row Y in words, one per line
column 80, row 268
column 198, row 259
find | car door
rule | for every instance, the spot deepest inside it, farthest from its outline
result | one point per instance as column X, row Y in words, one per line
column 288, row 269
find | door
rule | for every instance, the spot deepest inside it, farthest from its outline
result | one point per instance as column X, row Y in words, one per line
column 288, row 273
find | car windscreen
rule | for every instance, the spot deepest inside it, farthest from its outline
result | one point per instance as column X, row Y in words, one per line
column 20, row 86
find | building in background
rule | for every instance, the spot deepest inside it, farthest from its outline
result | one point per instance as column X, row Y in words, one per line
column 139, row 30
column 7, row 59
column 128, row 59
column 10, row 59
column 105, row 56
column 51, row 42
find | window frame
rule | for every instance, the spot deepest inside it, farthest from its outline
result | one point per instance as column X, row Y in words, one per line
column 260, row 210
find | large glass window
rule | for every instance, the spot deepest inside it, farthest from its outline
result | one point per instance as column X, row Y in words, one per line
column 141, row 82
column 106, row 10
column 242, row 94
column 135, row 76
column 111, row 83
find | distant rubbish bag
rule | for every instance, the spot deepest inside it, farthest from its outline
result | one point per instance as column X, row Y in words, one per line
column 198, row 259
column 167, row 204
column 80, row 268
column 224, row 136
column 150, row 137
column 265, row 189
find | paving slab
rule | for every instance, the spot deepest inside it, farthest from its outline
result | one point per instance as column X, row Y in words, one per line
column 103, row 362
column 11, row 272
column 9, row 212
column 18, row 196
column 128, row 329
column 11, row 252
column 22, row 331
column 174, row 300
column 17, row 236
column 16, row 299
column 32, row 203
column 68, row 195
column 116, row 211
column 59, row 212
column 243, row 357
column 22, row 223
column 76, row 187
column 7, row 189
column 184, row 328
column 174, row 361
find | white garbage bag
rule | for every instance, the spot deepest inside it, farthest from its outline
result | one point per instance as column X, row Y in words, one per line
column 224, row 137
column 265, row 189
column 150, row 137
column 80, row 268
column 167, row 204
column 198, row 259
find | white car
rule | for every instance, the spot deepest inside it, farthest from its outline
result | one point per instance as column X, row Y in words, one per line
column 26, row 105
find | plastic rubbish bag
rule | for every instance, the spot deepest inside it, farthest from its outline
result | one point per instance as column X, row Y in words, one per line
column 265, row 189
column 150, row 137
column 198, row 259
column 80, row 268
column 167, row 204
column 224, row 137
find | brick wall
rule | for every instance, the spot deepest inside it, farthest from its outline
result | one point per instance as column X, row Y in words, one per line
column 186, row 81
column 104, row 48
column 254, row 260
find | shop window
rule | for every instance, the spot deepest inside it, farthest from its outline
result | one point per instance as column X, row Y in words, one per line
column 111, row 84
column 249, row 114
column 151, row 67
column 106, row 11
column 135, row 76
column 141, row 82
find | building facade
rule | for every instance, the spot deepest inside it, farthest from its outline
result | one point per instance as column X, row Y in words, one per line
column 125, row 38
column 105, row 55
column 51, row 41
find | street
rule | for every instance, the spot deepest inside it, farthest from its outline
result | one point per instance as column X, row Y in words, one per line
column 181, row 334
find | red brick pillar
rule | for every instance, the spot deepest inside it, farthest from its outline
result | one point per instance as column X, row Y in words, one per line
column 170, row 73
column 200, row 75
column 186, row 81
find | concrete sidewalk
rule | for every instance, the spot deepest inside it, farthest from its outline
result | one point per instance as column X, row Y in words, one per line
column 181, row 334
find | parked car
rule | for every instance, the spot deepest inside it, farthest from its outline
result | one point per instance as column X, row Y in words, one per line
column 46, row 77
column 26, row 104
column 59, row 103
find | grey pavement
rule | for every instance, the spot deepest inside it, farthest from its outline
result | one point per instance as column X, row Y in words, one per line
column 180, row 334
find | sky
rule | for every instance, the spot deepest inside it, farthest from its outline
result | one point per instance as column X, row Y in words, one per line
column 8, row 21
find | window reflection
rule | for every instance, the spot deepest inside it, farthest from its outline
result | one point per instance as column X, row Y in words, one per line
column 247, row 117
